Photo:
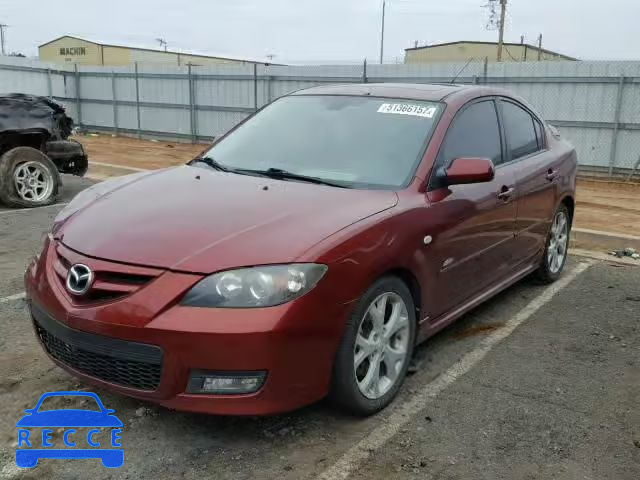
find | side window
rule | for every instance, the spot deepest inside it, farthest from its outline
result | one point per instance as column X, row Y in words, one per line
column 520, row 128
column 473, row 133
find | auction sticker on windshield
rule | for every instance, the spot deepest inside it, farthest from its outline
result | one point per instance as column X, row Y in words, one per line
column 408, row 109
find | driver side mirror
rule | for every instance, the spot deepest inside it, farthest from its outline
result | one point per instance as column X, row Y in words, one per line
column 469, row 170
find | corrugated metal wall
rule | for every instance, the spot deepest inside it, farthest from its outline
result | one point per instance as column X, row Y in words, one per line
column 595, row 104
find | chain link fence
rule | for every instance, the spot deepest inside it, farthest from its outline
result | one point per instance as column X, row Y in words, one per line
column 596, row 105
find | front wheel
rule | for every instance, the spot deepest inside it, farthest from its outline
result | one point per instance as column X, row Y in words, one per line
column 28, row 178
column 374, row 354
column 555, row 252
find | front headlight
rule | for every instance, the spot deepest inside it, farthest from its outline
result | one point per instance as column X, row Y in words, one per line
column 264, row 286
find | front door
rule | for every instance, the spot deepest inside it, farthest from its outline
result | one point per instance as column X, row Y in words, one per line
column 474, row 246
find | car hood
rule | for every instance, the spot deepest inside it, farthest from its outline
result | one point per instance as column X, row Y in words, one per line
column 200, row 220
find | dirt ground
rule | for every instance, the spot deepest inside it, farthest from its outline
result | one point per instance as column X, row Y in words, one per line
column 602, row 205
column 608, row 206
column 132, row 152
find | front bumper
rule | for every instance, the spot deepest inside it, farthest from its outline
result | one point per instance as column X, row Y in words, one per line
column 69, row 156
column 147, row 348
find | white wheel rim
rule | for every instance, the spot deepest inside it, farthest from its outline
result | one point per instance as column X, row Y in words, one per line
column 33, row 181
column 382, row 345
column 558, row 240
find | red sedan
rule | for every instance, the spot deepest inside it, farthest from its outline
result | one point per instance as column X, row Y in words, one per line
column 306, row 252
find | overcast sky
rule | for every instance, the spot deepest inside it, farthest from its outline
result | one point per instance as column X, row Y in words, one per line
column 323, row 30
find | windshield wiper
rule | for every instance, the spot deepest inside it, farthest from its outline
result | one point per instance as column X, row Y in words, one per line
column 279, row 173
column 211, row 162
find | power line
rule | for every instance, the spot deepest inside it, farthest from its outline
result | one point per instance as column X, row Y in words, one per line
column 509, row 53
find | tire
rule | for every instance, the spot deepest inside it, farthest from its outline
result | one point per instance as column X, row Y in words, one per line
column 348, row 383
column 551, row 266
column 30, row 165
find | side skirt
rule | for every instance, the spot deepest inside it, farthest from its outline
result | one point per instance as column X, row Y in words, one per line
column 426, row 330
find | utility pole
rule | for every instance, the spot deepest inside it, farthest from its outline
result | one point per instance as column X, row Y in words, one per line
column 2, row 27
column 503, row 12
column 382, row 32
column 539, row 47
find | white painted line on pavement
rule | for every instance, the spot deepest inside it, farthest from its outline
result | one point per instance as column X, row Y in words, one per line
column 390, row 426
column 18, row 210
column 115, row 165
column 11, row 298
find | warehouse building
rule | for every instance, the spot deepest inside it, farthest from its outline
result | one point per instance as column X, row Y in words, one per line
column 68, row 49
column 464, row 50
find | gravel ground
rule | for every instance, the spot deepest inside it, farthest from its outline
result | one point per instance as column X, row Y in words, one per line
column 558, row 398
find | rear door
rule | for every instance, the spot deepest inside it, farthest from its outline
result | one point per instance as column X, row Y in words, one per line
column 536, row 174
column 475, row 246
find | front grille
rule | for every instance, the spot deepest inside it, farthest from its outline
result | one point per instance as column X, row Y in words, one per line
column 130, row 364
column 112, row 280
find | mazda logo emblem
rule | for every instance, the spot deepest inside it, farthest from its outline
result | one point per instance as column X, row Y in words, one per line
column 79, row 279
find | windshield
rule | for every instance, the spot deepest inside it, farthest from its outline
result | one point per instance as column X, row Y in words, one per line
column 362, row 142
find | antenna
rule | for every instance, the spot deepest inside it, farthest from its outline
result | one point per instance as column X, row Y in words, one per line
column 162, row 42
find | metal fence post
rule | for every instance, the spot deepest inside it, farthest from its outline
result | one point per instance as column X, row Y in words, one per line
column 616, row 126
column 364, row 71
column 49, row 85
column 485, row 69
column 114, row 102
column 475, row 80
column 78, row 104
column 192, row 101
column 255, row 86
column 138, row 100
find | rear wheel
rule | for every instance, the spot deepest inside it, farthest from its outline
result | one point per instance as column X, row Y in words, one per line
column 555, row 252
column 374, row 354
column 28, row 178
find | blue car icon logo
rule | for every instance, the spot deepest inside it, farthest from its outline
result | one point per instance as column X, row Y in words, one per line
column 69, row 421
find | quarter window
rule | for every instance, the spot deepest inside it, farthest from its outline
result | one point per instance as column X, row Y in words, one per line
column 474, row 133
column 520, row 129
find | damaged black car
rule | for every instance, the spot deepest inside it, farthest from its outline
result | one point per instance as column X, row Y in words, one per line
column 34, row 150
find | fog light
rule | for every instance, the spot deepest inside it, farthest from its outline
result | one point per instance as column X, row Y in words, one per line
column 228, row 383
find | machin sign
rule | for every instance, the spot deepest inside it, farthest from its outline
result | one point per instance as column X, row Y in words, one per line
column 68, row 51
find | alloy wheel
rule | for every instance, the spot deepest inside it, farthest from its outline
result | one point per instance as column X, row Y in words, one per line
column 559, row 238
column 33, row 181
column 382, row 345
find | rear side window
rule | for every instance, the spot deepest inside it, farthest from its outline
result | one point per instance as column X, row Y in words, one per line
column 520, row 128
column 473, row 133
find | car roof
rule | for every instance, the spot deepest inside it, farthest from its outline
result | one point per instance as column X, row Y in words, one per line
column 414, row 91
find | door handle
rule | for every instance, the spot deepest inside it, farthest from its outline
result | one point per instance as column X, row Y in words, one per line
column 506, row 193
column 551, row 174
